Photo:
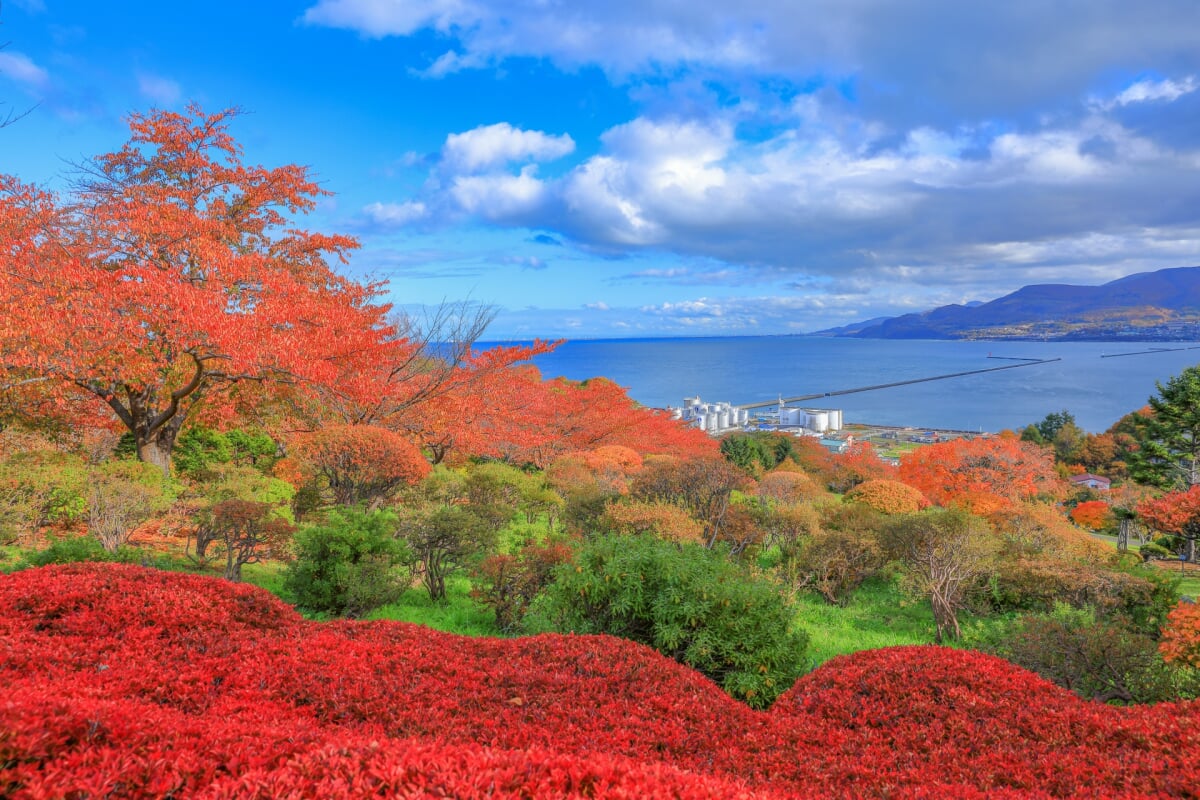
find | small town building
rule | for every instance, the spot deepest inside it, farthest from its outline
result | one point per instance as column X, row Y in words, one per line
column 1091, row 481
column 837, row 445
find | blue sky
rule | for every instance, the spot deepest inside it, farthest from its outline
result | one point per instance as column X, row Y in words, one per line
column 661, row 168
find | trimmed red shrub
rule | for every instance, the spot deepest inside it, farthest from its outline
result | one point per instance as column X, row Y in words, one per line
column 126, row 682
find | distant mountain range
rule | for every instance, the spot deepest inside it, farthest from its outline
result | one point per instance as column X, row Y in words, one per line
column 1148, row 306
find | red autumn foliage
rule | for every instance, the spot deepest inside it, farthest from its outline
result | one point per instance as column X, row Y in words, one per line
column 361, row 462
column 840, row 472
column 1173, row 512
column 983, row 476
column 1092, row 514
column 860, row 463
column 527, row 420
column 173, row 274
column 1180, row 641
column 122, row 681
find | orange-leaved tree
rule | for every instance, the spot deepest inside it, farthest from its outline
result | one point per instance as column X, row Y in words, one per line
column 1180, row 642
column 361, row 462
column 1092, row 514
column 983, row 476
column 171, row 273
column 1175, row 513
column 888, row 497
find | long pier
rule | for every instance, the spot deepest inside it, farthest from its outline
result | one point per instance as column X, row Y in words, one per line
column 1150, row 352
column 803, row 398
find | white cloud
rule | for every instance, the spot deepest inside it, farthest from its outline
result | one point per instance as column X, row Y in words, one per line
column 499, row 197
column 379, row 18
column 395, row 214
column 825, row 197
column 526, row 262
column 599, row 305
column 490, row 146
column 949, row 57
column 20, row 68
column 158, row 89
column 1147, row 91
column 450, row 62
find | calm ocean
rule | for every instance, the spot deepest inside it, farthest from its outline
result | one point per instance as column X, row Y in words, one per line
column 1098, row 391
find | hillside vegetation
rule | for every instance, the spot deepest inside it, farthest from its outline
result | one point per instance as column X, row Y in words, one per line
column 649, row 602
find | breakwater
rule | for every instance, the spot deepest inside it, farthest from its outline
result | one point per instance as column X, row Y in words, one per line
column 1031, row 362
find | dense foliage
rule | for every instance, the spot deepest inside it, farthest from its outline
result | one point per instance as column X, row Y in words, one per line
column 127, row 682
column 687, row 602
column 347, row 565
column 168, row 297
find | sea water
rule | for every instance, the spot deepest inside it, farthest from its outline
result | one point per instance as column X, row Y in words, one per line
column 1097, row 382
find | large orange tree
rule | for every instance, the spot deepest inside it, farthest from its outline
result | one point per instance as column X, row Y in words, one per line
column 169, row 274
column 982, row 476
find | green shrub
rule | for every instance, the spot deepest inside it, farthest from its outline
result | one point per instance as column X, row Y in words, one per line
column 1154, row 550
column 200, row 448
column 122, row 495
column 40, row 487
column 687, row 602
column 1095, row 657
column 71, row 549
column 348, row 565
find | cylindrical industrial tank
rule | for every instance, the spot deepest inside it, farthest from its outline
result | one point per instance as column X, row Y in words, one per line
column 701, row 421
column 676, row 413
column 714, row 422
column 819, row 421
column 723, row 418
column 835, row 419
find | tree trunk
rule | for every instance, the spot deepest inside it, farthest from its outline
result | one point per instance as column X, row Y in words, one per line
column 155, row 453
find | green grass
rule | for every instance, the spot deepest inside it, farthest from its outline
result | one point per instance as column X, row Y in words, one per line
column 1189, row 587
column 265, row 575
column 878, row 615
column 10, row 558
column 459, row 614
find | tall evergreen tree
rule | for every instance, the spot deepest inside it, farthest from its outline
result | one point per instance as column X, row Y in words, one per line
column 1169, row 438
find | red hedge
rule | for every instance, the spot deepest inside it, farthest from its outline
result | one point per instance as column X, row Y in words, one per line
column 127, row 682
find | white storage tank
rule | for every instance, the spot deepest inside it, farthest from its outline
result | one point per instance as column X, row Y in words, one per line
column 701, row 422
column 724, row 419
column 819, row 421
column 835, row 419
column 714, row 422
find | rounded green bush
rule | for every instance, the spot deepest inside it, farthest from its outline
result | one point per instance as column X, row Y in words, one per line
column 348, row 565
column 689, row 603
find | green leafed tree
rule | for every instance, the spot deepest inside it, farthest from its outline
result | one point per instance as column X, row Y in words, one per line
column 1168, row 453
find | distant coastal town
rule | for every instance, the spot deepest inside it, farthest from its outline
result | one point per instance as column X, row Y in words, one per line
column 826, row 424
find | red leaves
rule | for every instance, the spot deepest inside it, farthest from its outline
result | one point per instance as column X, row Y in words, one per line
column 361, row 462
column 983, row 476
column 172, row 275
column 129, row 682
column 1181, row 637
column 1092, row 514
column 1171, row 512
